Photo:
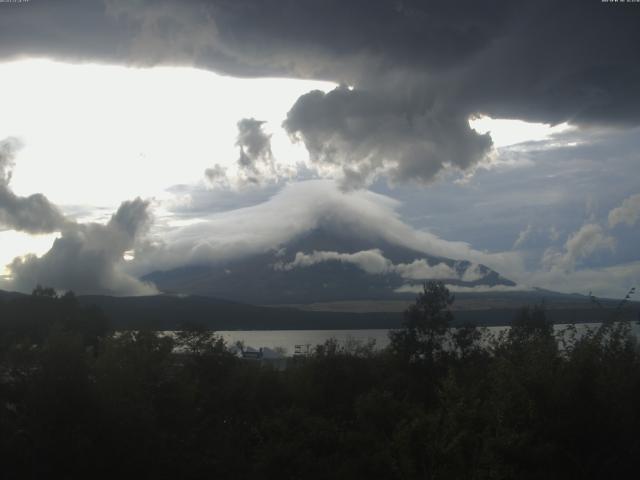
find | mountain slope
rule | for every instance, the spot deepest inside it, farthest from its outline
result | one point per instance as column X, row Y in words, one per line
column 343, row 267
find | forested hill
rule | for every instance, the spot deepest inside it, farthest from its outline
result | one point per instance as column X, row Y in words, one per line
column 169, row 312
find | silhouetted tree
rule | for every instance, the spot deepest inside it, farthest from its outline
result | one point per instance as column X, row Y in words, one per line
column 439, row 403
column 425, row 325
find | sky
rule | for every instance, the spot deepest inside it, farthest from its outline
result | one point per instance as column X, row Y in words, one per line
column 146, row 135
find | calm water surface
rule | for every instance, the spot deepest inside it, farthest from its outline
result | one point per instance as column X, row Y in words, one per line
column 288, row 339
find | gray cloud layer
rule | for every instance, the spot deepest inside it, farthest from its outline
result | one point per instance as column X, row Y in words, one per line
column 366, row 132
column 418, row 68
column 590, row 239
column 32, row 214
column 374, row 262
column 628, row 212
column 88, row 258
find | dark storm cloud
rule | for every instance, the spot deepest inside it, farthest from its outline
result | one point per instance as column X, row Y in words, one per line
column 419, row 69
column 75, row 30
column 546, row 59
column 32, row 214
column 364, row 132
column 88, row 258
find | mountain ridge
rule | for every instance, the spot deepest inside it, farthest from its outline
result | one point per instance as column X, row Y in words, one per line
column 323, row 265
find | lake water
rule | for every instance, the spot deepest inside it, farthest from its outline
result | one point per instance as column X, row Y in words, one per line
column 309, row 339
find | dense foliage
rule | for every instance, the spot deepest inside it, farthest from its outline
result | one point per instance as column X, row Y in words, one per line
column 80, row 401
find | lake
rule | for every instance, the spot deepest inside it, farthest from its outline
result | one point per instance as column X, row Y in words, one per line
column 288, row 339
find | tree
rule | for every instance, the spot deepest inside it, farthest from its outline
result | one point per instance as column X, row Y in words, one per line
column 45, row 292
column 197, row 340
column 426, row 324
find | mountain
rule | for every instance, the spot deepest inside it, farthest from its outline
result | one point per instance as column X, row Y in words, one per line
column 323, row 266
